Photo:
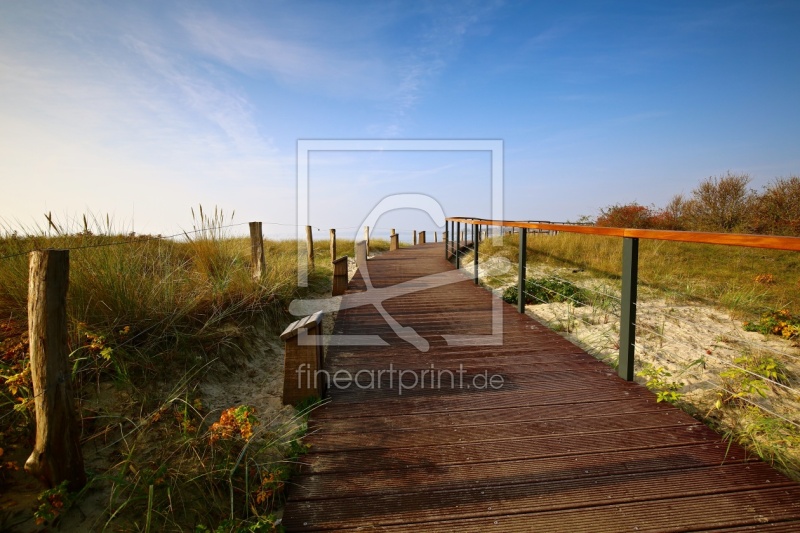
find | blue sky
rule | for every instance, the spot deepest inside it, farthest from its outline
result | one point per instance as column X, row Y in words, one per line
column 144, row 109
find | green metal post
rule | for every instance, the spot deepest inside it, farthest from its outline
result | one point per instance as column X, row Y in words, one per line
column 475, row 247
column 452, row 237
column 446, row 240
column 523, row 261
column 458, row 244
column 627, row 325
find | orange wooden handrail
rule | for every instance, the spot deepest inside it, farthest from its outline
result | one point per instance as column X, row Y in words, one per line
column 767, row 242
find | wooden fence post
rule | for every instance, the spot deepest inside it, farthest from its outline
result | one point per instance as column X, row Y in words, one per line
column 333, row 245
column 303, row 360
column 415, row 237
column 366, row 237
column 394, row 242
column 57, row 453
column 393, row 232
column 435, row 236
column 257, row 263
column 310, row 246
column 339, row 276
column 361, row 254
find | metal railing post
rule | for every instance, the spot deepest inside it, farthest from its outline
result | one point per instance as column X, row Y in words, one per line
column 451, row 238
column 522, row 267
column 627, row 325
column 475, row 248
column 458, row 244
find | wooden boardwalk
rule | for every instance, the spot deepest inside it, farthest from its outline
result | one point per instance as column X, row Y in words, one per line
column 563, row 445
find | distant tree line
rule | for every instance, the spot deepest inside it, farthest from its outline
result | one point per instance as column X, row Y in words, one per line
column 719, row 204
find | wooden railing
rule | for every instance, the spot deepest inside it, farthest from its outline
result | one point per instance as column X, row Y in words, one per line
column 630, row 260
column 729, row 239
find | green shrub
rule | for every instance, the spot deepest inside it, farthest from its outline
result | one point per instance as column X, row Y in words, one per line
column 665, row 389
column 746, row 378
column 781, row 323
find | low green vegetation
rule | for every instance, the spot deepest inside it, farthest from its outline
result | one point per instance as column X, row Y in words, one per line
column 751, row 375
column 781, row 323
column 659, row 380
column 773, row 439
column 547, row 290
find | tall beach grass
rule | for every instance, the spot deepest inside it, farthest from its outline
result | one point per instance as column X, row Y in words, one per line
column 150, row 318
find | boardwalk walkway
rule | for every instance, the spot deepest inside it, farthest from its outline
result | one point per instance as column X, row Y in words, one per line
column 563, row 445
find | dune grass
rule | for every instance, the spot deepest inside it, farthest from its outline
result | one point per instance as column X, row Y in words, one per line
column 150, row 319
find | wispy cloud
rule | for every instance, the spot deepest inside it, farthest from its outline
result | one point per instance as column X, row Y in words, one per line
column 207, row 94
column 320, row 65
column 642, row 116
column 437, row 44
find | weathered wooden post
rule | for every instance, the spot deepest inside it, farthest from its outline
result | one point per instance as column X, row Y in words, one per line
column 257, row 263
column 310, row 246
column 393, row 232
column 366, row 237
column 415, row 237
column 422, row 237
column 394, row 242
column 339, row 276
column 333, row 245
column 57, row 453
column 361, row 254
column 303, row 360
column 435, row 236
